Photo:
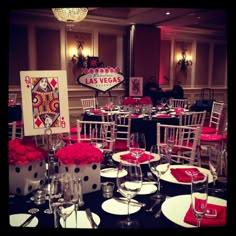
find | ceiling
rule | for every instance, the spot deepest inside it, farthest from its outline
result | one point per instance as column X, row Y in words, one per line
column 189, row 18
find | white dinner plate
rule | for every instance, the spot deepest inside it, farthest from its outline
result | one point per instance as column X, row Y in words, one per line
column 109, row 172
column 82, row 220
column 116, row 156
column 147, row 188
column 170, row 178
column 118, row 208
column 176, row 214
column 174, row 109
column 17, row 219
column 161, row 115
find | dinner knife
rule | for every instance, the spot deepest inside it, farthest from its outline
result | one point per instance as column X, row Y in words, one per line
column 27, row 221
column 90, row 218
column 139, row 204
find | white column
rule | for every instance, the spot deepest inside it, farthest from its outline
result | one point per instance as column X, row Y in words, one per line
column 95, row 44
column 119, row 52
column 63, row 48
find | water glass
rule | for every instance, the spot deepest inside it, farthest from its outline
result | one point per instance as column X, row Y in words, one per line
column 107, row 189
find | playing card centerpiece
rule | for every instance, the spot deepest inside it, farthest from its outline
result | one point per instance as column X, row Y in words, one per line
column 83, row 160
column 27, row 166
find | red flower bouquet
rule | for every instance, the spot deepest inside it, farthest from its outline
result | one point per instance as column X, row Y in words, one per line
column 22, row 151
column 129, row 101
column 145, row 100
column 79, row 154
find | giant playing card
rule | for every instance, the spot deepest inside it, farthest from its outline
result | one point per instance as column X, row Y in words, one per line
column 44, row 102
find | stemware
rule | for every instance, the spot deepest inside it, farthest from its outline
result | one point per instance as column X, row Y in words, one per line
column 216, row 159
column 137, row 144
column 98, row 137
column 164, row 101
column 170, row 141
column 129, row 183
column 63, row 196
column 199, row 195
column 158, row 166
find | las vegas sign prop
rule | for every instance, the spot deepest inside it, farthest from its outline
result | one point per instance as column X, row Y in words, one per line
column 101, row 79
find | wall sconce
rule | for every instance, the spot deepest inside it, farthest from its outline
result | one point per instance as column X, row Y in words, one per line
column 80, row 59
column 183, row 62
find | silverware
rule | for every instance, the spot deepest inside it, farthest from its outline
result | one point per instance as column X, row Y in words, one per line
column 157, row 202
column 109, row 170
column 27, row 221
column 149, row 182
column 90, row 218
column 158, row 214
column 132, row 202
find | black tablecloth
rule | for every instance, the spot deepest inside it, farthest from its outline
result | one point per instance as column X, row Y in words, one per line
column 14, row 113
column 94, row 200
column 144, row 125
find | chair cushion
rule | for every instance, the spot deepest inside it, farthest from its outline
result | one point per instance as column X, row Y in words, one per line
column 73, row 139
column 208, row 130
column 19, row 123
column 211, row 137
column 120, row 145
column 73, row 130
column 182, row 149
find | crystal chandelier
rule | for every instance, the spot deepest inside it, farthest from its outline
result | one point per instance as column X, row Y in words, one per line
column 70, row 14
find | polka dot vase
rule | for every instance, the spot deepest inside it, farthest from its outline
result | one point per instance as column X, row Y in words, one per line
column 89, row 174
column 23, row 179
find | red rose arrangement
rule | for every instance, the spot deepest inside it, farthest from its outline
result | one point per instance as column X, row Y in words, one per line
column 145, row 100
column 129, row 101
column 22, row 151
column 79, row 154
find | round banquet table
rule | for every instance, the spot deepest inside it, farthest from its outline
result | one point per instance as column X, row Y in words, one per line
column 144, row 125
column 94, row 200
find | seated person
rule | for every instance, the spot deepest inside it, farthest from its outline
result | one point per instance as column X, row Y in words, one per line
column 178, row 91
column 151, row 89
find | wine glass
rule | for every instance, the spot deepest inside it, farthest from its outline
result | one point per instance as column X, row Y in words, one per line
column 129, row 183
column 216, row 159
column 158, row 166
column 159, row 106
column 170, row 141
column 164, row 101
column 98, row 137
column 62, row 196
column 199, row 195
column 137, row 144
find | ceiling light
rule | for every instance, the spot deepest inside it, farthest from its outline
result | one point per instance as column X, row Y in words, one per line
column 70, row 14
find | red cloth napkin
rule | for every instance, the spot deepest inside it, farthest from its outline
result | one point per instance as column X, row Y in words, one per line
column 141, row 159
column 163, row 116
column 134, row 115
column 219, row 220
column 178, row 110
column 181, row 175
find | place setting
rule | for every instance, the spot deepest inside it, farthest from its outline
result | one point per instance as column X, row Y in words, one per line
column 181, row 174
column 196, row 209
